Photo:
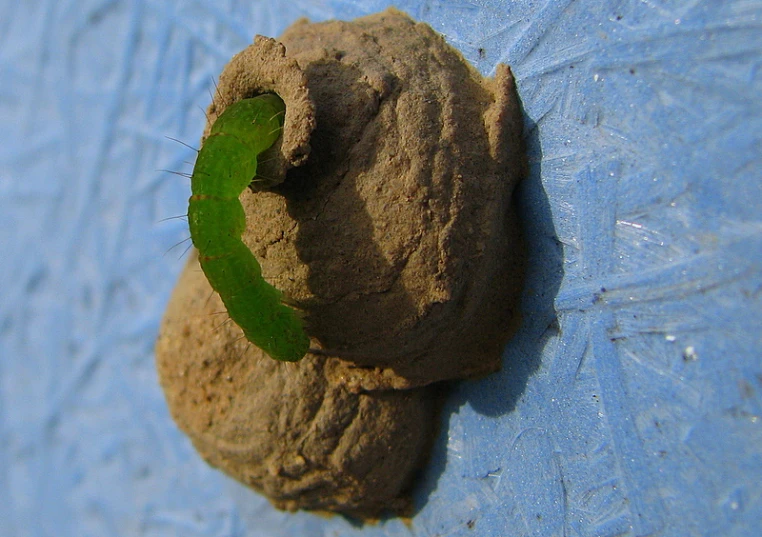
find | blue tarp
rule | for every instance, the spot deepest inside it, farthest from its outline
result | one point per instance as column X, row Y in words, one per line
column 629, row 403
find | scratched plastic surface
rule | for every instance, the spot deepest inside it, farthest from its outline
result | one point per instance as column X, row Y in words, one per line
column 631, row 401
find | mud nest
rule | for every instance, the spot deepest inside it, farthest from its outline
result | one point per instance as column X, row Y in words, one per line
column 387, row 216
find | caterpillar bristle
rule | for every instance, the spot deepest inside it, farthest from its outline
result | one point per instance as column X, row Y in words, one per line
column 178, row 217
column 173, row 172
column 182, row 143
column 176, row 245
column 223, row 323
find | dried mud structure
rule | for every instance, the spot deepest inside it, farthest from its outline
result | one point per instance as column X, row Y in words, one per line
column 387, row 217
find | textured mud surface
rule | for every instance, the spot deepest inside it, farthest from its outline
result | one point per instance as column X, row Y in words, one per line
column 285, row 428
column 398, row 233
column 392, row 227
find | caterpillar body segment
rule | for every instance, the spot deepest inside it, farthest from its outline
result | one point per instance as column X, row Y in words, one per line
column 225, row 166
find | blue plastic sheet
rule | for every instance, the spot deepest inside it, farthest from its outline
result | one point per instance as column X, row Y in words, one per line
column 629, row 403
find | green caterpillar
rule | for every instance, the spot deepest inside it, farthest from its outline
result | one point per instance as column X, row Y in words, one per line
column 225, row 166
